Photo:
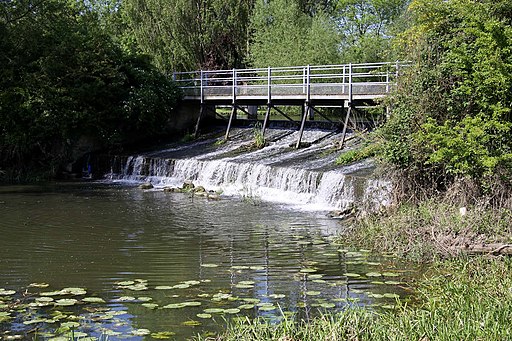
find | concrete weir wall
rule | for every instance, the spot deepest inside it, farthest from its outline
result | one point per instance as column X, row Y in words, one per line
column 184, row 117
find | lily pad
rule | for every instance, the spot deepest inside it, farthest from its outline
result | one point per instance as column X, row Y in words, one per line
column 4, row 292
column 353, row 275
column 240, row 267
column 204, row 316
column 144, row 299
column 209, row 265
column 164, row 287
column 277, row 296
column 126, row 299
column 70, row 324
column 328, row 305
column 66, row 302
column 192, row 304
column 191, row 323
column 389, row 295
column 141, row 332
column 313, row 293
column 308, row 270
column 268, row 308
column 125, row 283
column 244, row 286
column 232, row 311
column 181, row 286
column 257, row 268
column 149, row 305
column 390, row 274
column 246, row 306
column 51, row 293
column 315, row 276
column 174, row 306
column 35, row 321
column 137, row 287
column 93, row 300
column 44, row 299
column 392, row 282
column 73, row 291
column 213, row 311
column 162, row 335
column 39, row 285
column 373, row 274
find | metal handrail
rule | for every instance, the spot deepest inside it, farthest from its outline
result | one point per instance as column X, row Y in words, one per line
column 239, row 82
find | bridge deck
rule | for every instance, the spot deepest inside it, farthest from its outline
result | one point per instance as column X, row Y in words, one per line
column 322, row 85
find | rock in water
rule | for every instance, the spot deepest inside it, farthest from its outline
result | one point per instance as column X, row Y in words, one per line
column 147, row 185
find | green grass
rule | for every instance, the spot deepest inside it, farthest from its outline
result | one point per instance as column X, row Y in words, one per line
column 463, row 299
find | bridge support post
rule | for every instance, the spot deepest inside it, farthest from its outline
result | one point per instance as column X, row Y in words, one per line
column 344, row 132
column 233, row 115
column 305, row 112
column 267, row 118
column 199, row 118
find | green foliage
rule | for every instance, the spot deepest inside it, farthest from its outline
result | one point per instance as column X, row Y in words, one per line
column 283, row 35
column 63, row 78
column 452, row 113
column 358, row 154
column 184, row 35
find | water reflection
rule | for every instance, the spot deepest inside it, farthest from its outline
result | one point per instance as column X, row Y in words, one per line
column 258, row 259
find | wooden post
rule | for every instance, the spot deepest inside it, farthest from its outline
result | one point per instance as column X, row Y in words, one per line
column 305, row 113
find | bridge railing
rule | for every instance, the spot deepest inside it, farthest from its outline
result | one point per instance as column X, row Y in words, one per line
column 373, row 79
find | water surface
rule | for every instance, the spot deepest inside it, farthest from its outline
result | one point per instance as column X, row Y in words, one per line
column 225, row 254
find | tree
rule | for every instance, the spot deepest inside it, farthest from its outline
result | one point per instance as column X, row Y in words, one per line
column 62, row 77
column 283, row 35
column 184, row 35
column 452, row 120
column 366, row 27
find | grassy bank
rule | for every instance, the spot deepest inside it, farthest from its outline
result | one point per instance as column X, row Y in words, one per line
column 463, row 299
column 430, row 231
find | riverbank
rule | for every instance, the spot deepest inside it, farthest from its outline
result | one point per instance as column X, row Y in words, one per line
column 459, row 299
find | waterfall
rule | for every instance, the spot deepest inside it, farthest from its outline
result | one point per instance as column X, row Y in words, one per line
column 307, row 178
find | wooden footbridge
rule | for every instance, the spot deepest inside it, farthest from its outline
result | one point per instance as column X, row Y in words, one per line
column 308, row 87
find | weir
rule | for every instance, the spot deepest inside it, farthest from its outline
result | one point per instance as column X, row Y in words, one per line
column 307, row 178
column 348, row 87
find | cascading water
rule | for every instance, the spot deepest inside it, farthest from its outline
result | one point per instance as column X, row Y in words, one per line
column 306, row 177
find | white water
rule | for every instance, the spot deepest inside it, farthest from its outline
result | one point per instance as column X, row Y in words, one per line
column 306, row 178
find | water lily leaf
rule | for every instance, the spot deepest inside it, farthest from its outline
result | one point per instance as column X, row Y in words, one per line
column 240, row 267
column 392, row 283
column 39, row 285
column 126, row 299
column 319, row 281
column 162, row 335
column 377, row 282
column 204, row 295
column 70, row 324
column 93, row 300
column 4, row 292
column 389, row 295
column 268, row 308
column 174, row 306
column 125, row 283
column 164, row 287
column 144, row 299
column 209, row 265
column 388, row 306
column 149, row 305
column 353, row 275
column 109, row 332
column 66, row 302
column 191, row 323
column 137, row 287
column 257, row 268
column 204, row 316
column 232, row 311
column 373, row 295
column 51, row 293
column 251, row 300
column 246, row 306
column 141, row 332
column 191, row 304
column 390, row 274
column 328, row 305
column 373, row 274
column 303, row 242
column 246, row 282
column 181, row 286
column 315, row 276
column 213, row 311
column 308, row 270
column 374, row 263
column 244, row 286
column 342, row 250
column 44, row 299
column 34, row 321
column 193, row 282
column 73, row 291
column 313, row 293
column 277, row 296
